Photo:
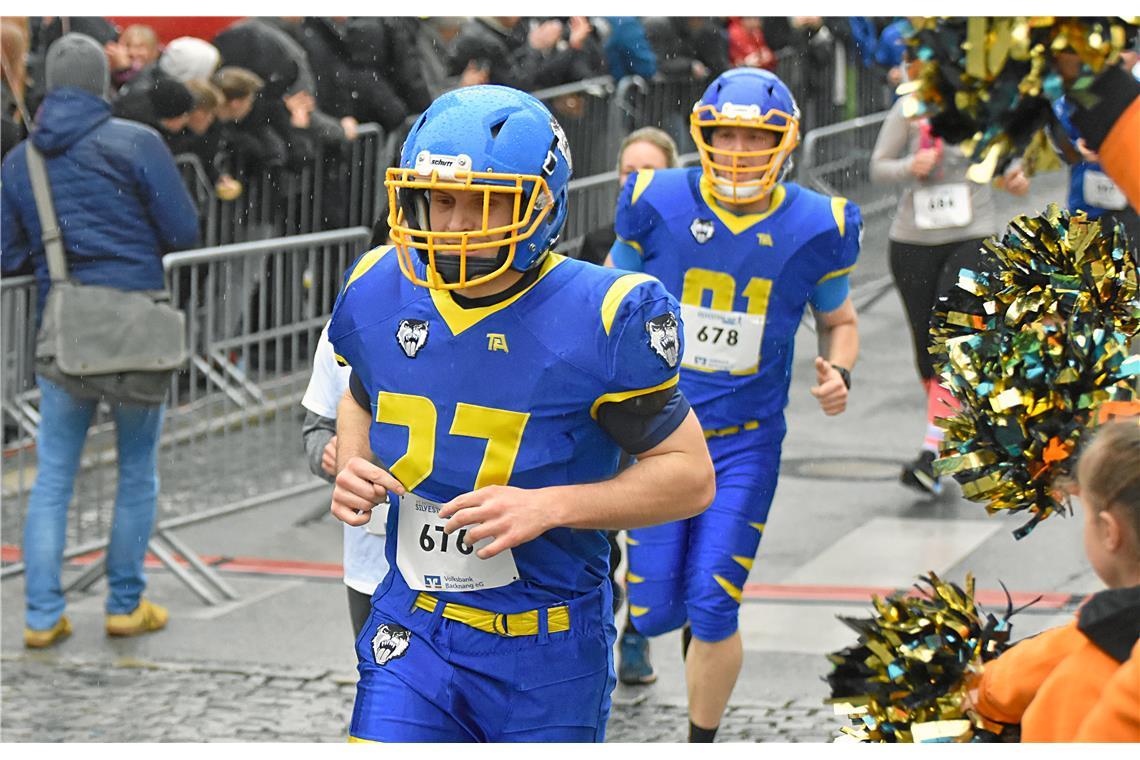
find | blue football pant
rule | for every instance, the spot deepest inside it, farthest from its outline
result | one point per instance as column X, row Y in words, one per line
column 694, row 570
column 454, row 683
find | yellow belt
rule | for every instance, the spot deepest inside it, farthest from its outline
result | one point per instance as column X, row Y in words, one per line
column 750, row 425
column 512, row 624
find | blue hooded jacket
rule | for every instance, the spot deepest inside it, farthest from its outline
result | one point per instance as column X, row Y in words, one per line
column 628, row 50
column 118, row 196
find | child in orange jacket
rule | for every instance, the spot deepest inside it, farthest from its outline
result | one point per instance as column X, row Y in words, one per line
column 1116, row 715
column 1052, row 682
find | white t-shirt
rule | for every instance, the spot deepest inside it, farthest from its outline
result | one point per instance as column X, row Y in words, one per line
column 364, row 562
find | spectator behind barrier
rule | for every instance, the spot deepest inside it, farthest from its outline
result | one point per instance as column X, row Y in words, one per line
column 13, row 82
column 136, row 49
column 120, row 204
column 747, row 45
column 186, row 58
column 263, row 46
column 354, row 63
column 645, row 148
column 627, row 49
column 254, row 127
column 164, row 106
column 510, row 50
column 688, row 47
column 202, row 137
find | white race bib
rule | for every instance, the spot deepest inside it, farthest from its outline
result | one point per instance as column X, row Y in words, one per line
column 942, row 206
column 431, row 560
column 1102, row 192
column 721, row 341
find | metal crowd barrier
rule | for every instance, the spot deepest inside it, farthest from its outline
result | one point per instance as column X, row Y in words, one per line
column 662, row 103
column 837, row 160
column 341, row 187
column 231, row 435
column 368, row 159
column 585, row 111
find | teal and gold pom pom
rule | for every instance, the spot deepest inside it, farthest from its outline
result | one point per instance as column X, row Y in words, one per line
column 1034, row 346
column 908, row 676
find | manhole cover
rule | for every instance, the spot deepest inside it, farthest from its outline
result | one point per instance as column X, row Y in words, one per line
column 841, row 468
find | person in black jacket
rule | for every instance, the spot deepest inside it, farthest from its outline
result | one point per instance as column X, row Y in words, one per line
column 688, row 47
column 165, row 106
column 508, row 50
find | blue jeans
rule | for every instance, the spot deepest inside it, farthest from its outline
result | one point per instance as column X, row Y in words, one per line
column 64, row 420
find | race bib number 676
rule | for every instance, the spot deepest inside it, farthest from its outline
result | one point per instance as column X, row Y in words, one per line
column 431, row 560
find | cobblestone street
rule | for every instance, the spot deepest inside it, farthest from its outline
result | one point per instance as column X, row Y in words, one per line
column 47, row 699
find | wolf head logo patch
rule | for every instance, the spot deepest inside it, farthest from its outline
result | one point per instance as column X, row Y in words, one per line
column 412, row 335
column 702, row 230
column 390, row 643
column 662, row 332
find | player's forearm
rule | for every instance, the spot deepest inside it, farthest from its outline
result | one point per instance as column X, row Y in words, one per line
column 352, row 424
column 661, row 486
column 839, row 344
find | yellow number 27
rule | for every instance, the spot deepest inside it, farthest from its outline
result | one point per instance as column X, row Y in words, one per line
column 503, row 430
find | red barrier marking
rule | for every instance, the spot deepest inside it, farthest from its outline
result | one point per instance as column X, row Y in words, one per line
column 993, row 599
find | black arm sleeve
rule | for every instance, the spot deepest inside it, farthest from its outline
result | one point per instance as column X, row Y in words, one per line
column 640, row 423
column 359, row 392
column 316, row 432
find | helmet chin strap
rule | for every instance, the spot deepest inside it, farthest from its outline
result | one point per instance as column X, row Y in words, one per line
column 447, row 265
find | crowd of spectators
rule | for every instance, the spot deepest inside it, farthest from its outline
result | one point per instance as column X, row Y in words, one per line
column 266, row 96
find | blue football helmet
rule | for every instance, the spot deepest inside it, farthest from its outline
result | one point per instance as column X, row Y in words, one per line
column 489, row 139
column 745, row 97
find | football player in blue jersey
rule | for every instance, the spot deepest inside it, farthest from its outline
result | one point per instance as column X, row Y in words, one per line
column 746, row 253
column 494, row 384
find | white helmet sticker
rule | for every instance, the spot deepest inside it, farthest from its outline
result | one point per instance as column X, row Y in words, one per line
column 750, row 111
column 445, row 166
column 563, row 143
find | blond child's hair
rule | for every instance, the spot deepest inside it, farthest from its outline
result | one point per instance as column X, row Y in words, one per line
column 236, row 82
column 654, row 136
column 207, row 97
column 1109, row 472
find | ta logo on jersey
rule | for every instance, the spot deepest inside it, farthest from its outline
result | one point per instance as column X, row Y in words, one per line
column 412, row 335
column 390, row 643
column 702, row 230
column 764, row 239
column 662, row 331
column 497, row 342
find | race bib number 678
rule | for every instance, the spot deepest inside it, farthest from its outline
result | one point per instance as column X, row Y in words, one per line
column 721, row 341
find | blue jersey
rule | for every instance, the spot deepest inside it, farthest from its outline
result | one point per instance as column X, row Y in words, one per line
column 506, row 394
column 768, row 265
column 1086, row 174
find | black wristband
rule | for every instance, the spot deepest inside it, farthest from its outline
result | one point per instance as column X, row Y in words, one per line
column 844, row 373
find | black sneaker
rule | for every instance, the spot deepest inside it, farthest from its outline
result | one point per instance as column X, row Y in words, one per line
column 919, row 474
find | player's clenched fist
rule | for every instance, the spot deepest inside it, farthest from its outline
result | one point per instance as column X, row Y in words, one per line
column 360, row 486
column 830, row 390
